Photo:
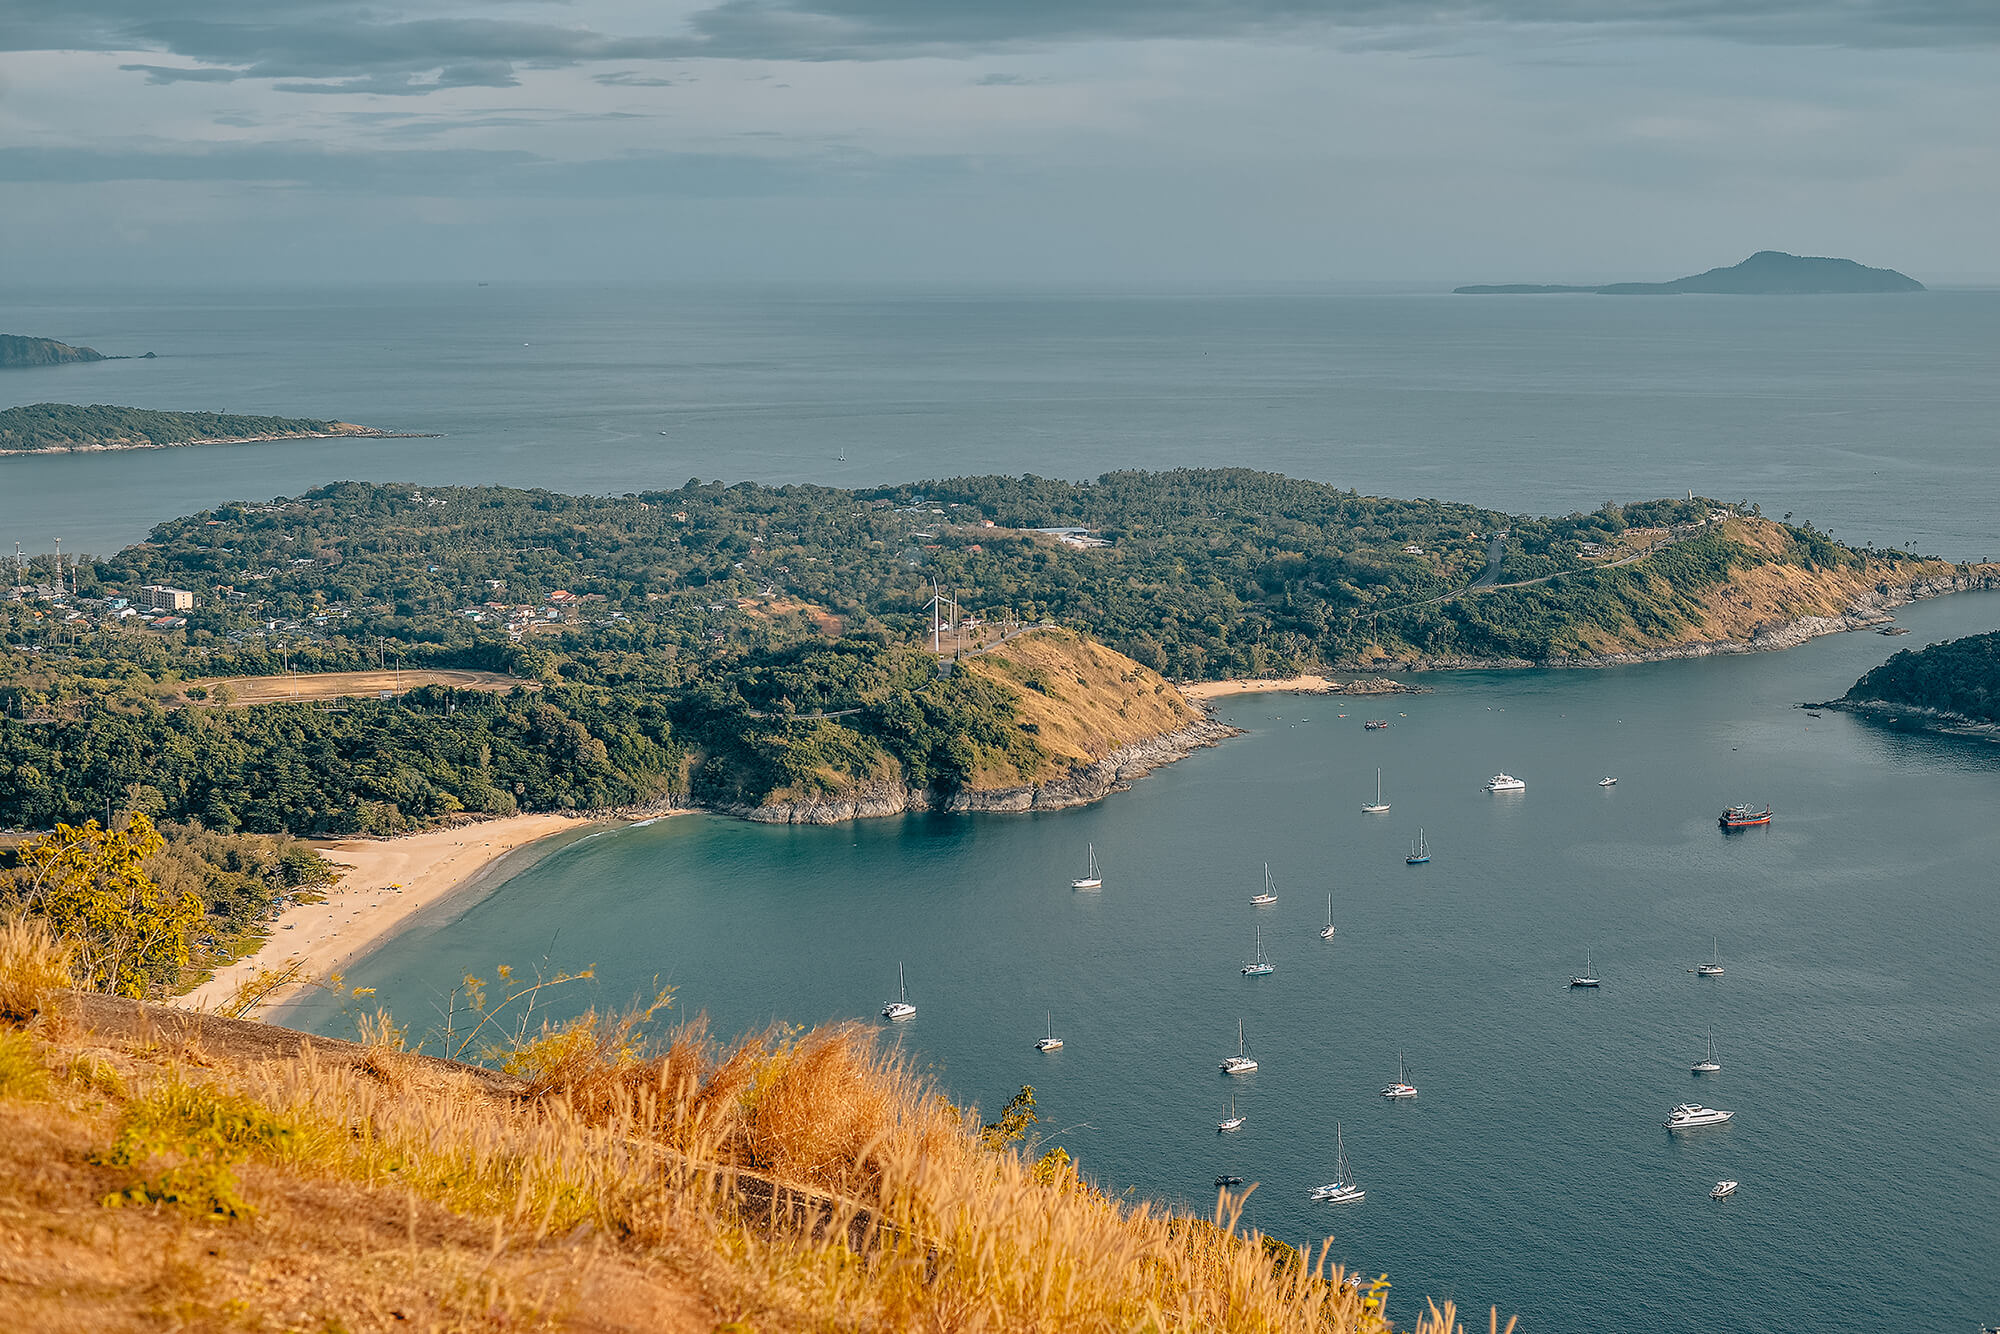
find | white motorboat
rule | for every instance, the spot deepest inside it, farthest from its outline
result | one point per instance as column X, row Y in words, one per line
column 1340, row 1190
column 1723, row 1190
column 1326, row 932
column 1402, row 1088
column 1090, row 879
column 1262, row 965
column 1709, row 1065
column 1377, row 806
column 1051, row 1042
column 1267, row 897
column 900, row 1008
column 1588, row 977
column 1505, row 783
column 1230, row 1123
column 1242, row 1063
column 1607, row 782
column 1692, row 1116
column 1713, row 968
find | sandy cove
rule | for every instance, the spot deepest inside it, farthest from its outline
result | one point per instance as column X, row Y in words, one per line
column 1298, row 685
column 386, row 882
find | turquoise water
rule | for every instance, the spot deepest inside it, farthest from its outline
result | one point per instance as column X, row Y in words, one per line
column 1857, row 1023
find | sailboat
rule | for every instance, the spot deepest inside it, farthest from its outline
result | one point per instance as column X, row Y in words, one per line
column 1587, row 978
column 1241, row 1063
column 1090, row 879
column 1262, row 965
column 1326, row 932
column 1378, row 805
column 1709, row 1065
column 1420, row 853
column 1713, row 968
column 1267, row 897
column 1402, row 1088
column 1340, row 1190
column 1051, row 1042
column 1232, row 1122
column 900, row 1008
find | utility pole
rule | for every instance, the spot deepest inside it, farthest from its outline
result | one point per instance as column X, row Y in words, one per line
column 59, row 587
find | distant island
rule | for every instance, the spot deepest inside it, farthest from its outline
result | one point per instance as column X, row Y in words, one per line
column 17, row 352
column 1948, row 687
column 46, row 427
column 1766, row 273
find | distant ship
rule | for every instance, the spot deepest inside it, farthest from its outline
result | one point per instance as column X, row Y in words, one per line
column 1505, row 783
column 1745, row 817
column 1376, row 724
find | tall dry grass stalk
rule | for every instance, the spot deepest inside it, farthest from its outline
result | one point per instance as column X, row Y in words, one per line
column 34, row 965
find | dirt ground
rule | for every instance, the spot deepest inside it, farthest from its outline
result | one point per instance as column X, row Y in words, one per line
column 247, row 690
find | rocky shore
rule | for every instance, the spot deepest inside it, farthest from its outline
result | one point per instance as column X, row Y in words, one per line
column 1912, row 715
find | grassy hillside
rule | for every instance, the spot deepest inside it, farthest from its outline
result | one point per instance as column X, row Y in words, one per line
column 169, row 1171
column 18, row 350
column 42, row 426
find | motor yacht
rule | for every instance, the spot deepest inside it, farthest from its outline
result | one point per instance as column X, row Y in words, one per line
column 1723, row 1190
column 1505, row 783
column 1692, row 1116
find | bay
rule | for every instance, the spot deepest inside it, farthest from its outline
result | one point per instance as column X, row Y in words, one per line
column 1857, row 1023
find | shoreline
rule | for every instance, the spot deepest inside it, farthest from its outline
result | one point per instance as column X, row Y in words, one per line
column 386, row 884
column 362, row 433
column 1205, row 692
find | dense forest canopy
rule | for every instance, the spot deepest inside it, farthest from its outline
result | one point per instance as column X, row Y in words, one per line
column 99, row 425
column 1961, row 677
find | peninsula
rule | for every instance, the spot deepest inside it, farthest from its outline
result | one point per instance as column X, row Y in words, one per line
column 58, row 427
column 1766, row 273
column 18, row 351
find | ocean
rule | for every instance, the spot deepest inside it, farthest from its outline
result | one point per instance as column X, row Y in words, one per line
column 1857, row 1023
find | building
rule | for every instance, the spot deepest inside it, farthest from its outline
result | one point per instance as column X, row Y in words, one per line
column 161, row 598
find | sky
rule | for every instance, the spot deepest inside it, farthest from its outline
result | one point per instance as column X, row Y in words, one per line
column 1007, row 141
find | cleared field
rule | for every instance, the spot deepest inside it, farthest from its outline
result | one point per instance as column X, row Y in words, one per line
column 247, row 690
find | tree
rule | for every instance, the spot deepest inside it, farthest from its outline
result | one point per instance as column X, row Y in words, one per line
column 88, row 883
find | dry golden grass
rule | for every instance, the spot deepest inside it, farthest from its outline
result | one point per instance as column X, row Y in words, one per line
column 789, row 1181
column 248, row 690
column 1084, row 700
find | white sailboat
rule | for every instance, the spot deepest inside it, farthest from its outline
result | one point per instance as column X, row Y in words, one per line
column 1326, row 932
column 1340, row 1190
column 1262, row 965
column 1588, row 977
column 1377, row 806
column 1402, row 1088
column 1241, row 1063
column 1267, row 897
column 1713, row 968
column 900, row 1008
column 1232, row 1122
column 1051, row 1042
column 1090, row 879
column 1709, row 1065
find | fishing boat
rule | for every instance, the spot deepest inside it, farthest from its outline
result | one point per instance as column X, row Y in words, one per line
column 1241, row 1063
column 1261, row 965
column 1421, row 853
column 1090, row 879
column 1587, row 978
column 1230, row 1123
column 1692, row 1116
column 1377, row 806
column 1402, row 1088
column 1713, row 968
column 1505, row 783
column 1607, row 782
column 1376, row 724
column 1051, row 1042
column 1340, row 1190
column 1745, row 817
column 1708, row 1065
column 1723, row 1190
column 1267, row 897
column 900, row 1008
column 1326, row 932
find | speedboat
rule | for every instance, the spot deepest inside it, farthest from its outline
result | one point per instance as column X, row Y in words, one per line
column 1267, row 897
column 1588, row 977
column 1230, row 1123
column 1229, row 1181
column 1340, row 1190
column 1261, row 966
column 1505, row 783
column 1607, row 782
column 1708, row 1065
column 1745, row 816
column 1723, row 1189
column 1051, row 1042
column 1692, row 1116
column 1242, row 1063
column 900, row 1008
column 1402, row 1088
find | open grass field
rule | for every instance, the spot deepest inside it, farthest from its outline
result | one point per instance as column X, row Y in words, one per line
column 248, row 690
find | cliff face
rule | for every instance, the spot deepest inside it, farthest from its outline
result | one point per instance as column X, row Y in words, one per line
column 16, row 350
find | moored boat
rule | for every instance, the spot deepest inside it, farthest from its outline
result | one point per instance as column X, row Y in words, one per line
column 1692, row 1115
column 1051, row 1042
column 1745, row 816
column 1091, row 878
column 1713, row 968
column 1378, row 806
column 900, row 1008
column 1421, row 853
column 1326, row 932
column 1340, row 1190
column 1402, row 1088
column 1260, row 966
column 1376, row 724
column 1242, row 1063
column 1505, row 783
column 1267, row 897
column 1723, row 1190
column 1708, row 1065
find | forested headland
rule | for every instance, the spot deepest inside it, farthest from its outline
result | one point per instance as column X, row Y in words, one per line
column 737, row 646
column 39, row 427
column 1956, row 683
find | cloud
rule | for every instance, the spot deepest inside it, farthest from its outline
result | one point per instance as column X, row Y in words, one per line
column 634, row 79
column 158, row 74
column 1007, row 81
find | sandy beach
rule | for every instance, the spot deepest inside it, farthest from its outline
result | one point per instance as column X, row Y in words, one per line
column 1265, row 685
column 386, row 881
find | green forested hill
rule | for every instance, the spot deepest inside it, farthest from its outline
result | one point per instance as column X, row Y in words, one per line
column 1961, row 677
column 17, row 350
column 40, row 426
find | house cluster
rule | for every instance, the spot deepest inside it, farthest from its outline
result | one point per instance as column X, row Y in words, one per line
column 519, row 619
column 155, row 606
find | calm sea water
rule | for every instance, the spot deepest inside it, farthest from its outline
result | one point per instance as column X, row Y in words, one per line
column 1857, row 1023
column 1875, row 415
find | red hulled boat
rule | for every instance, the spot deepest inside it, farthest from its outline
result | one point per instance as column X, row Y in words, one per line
column 1745, row 817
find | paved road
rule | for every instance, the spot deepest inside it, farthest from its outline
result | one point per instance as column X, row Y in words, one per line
column 1490, row 576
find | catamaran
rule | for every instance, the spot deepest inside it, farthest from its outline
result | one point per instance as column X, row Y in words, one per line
column 1587, row 978
column 1051, row 1042
column 1377, row 806
column 1262, row 965
column 1420, row 853
column 1713, row 968
column 1267, row 897
column 1709, row 1065
column 1241, row 1063
column 1090, row 879
column 900, row 1008
column 1231, row 1122
column 1326, row 932
column 1340, row 1190
column 1402, row 1088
